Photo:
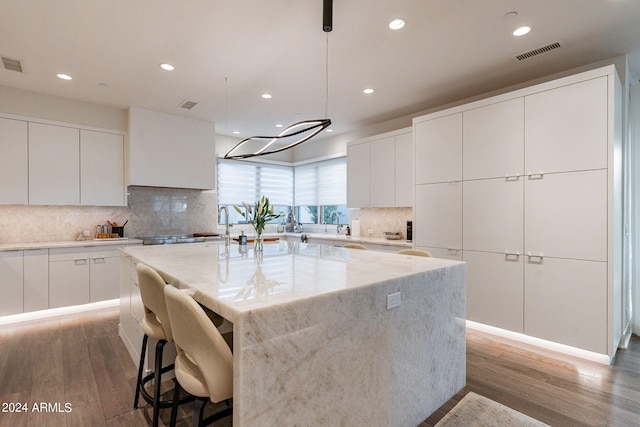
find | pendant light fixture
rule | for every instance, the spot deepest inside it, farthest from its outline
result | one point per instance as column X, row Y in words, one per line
column 299, row 132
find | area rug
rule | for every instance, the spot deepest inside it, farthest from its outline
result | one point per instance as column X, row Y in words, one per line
column 478, row 411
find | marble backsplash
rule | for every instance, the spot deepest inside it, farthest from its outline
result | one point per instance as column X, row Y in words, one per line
column 379, row 220
column 151, row 211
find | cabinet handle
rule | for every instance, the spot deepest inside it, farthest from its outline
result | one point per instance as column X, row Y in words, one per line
column 512, row 177
column 535, row 259
column 454, row 250
column 82, row 261
column 99, row 260
column 511, row 256
column 539, row 175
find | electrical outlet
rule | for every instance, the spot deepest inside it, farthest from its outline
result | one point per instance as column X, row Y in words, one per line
column 370, row 230
column 394, row 300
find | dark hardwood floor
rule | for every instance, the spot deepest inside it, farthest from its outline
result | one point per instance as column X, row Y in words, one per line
column 80, row 360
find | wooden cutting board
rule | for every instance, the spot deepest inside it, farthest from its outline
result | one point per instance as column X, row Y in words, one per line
column 265, row 239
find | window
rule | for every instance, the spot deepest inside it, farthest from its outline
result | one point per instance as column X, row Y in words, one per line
column 240, row 181
column 320, row 190
column 315, row 189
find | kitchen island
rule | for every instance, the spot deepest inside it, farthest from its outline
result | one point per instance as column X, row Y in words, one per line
column 319, row 337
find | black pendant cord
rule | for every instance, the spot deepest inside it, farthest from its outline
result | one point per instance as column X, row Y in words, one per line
column 326, row 76
column 327, row 15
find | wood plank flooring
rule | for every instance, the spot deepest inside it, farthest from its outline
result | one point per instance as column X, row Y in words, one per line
column 79, row 359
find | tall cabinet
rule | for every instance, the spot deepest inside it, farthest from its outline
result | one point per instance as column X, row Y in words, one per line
column 525, row 187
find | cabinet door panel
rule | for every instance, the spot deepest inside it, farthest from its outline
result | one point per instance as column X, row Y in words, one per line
column 101, row 169
column 438, row 215
column 493, row 142
column 36, row 279
column 68, row 283
column 404, row 170
column 566, row 215
column 438, row 150
column 566, row 128
column 54, row 165
column 493, row 215
column 105, row 276
column 11, row 282
column 358, row 176
column 495, row 293
column 13, row 162
column 382, row 173
column 566, row 302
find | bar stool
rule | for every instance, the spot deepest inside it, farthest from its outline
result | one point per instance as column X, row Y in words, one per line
column 155, row 325
column 415, row 252
column 354, row 246
column 204, row 365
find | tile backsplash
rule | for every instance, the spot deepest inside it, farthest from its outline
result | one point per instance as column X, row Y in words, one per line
column 151, row 211
column 380, row 220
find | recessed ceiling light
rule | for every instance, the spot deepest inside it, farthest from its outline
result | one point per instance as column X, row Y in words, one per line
column 397, row 24
column 167, row 67
column 235, row 132
column 63, row 76
column 266, row 95
column 279, row 125
column 369, row 90
column 329, row 130
column 521, row 31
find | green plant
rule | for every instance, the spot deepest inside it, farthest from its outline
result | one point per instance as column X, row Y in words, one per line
column 260, row 215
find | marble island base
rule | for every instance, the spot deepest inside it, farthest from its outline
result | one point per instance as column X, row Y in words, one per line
column 308, row 354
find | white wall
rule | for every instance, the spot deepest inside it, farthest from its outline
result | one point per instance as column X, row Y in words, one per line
column 31, row 104
column 634, row 140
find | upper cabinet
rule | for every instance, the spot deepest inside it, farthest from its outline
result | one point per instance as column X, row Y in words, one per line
column 14, row 172
column 54, row 165
column 438, row 149
column 60, row 164
column 101, row 169
column 493, row 143
column 165, row 150
column 576, row 115
column 380, row 171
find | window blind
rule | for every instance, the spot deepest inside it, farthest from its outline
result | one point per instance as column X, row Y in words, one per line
column 246, row 182
column 321, row 183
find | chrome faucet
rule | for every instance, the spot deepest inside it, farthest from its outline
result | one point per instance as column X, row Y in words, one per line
column 227, row 235
column 337, row 220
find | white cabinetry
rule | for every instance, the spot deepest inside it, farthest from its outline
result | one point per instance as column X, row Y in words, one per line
column 101, row 169
column 438, row 147
column 493, row 143
column 54, row 165
column 539, row 216
column 36, row 279
column 358, row 175
column 11, row 284
column 566, row 128
column 82, row 275
column 13, row 162
column 380, row 171
column 165, row 150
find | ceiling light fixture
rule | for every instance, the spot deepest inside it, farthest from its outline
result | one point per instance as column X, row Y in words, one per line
column 167, row 67
column 521, row 31
column 63, row 76
column 266, row 96
column 397, row 24
column 300, row 132
column 369, row 90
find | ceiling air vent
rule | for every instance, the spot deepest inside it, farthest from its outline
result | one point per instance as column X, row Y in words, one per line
column 188, row 105
column 539, row 51
column 12, row 64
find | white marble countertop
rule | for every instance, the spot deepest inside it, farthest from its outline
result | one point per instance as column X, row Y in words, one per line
column 231, row 282
column 67, row 244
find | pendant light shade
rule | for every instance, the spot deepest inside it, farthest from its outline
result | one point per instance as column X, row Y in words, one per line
column 291, row 136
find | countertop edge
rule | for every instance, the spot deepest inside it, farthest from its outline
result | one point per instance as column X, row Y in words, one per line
column 67, row 244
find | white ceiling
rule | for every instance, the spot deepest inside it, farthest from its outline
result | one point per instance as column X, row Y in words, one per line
column 449, row 50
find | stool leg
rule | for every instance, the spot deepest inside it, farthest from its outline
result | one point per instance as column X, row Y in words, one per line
column 140, row 369
column 157, row 377
column 198, row 411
